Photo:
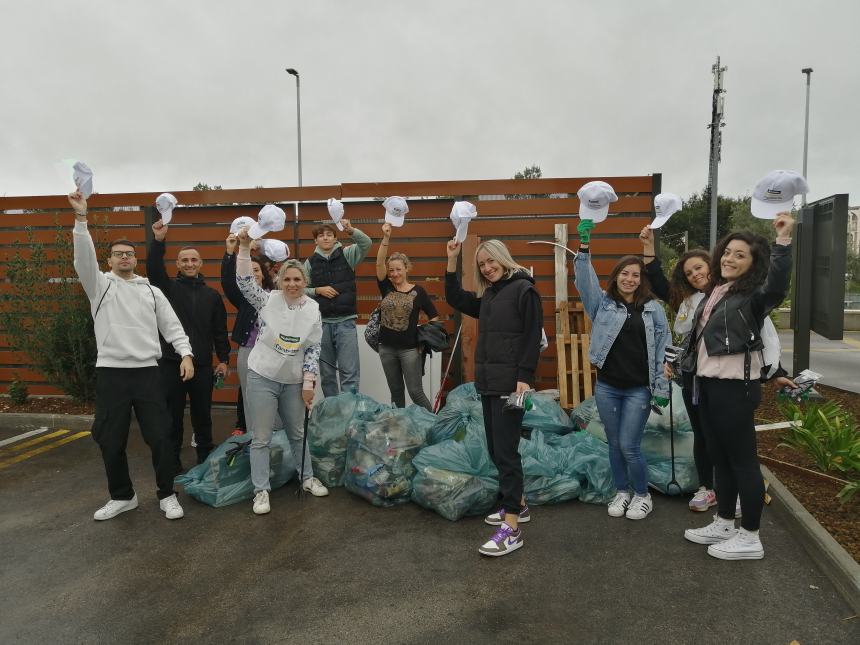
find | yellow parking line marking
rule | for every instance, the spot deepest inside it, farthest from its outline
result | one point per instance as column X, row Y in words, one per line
column 32, row 442
column 41, row 449
column 851, row 341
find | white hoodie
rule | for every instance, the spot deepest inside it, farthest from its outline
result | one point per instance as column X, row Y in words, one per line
column 127, row 314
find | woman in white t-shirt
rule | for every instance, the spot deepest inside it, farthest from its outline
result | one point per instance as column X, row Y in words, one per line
column 282, row 367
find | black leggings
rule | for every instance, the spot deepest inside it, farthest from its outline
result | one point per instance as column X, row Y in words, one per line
column 704, row 465
column 726, row 408
column 503, row 439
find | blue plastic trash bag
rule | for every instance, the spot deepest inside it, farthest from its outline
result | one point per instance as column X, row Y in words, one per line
column 546, row 415
column 225, row 477
column 464, row 391
column 380, row 452
column 584, row 413
column 328, row 432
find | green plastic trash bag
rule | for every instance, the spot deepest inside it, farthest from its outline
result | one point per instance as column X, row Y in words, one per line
column 380, row 452
column 584, row 413
column 456, row 477
column 464, row 391
column 452, row 421
column 550, row 490
column 546, row 415
column 660, row 473
column 328, row 431
column 225, row 477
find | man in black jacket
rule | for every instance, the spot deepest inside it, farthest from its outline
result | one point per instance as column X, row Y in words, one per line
column 201, row 311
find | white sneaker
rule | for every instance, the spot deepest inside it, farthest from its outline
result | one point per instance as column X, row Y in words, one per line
column 717, row 531
column 315, row 487
column 746, row 545
column 170, row 506
column 618, row 505
column 114, row 507
column 639, row 507
column 261, row 503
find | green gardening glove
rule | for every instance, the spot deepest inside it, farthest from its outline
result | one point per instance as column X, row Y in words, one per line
column 584, row 230
column 661, row 401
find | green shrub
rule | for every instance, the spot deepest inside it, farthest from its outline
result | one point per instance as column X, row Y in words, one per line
column 18, row 392
column 826, row 433
column 47, row 315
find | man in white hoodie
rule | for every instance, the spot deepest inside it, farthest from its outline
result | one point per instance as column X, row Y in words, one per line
column 128, row 314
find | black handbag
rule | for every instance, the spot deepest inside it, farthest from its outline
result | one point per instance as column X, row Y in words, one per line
column 371, row 332
column 432, row 335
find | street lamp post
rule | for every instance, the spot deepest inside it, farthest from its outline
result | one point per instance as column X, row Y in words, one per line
column 808, row 72
column 294, row 72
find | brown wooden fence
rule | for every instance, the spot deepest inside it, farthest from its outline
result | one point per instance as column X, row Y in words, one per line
column 514, row 211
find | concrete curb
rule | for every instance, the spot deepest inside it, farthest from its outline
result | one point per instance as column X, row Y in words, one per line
column 835, row 561
column 25, row 421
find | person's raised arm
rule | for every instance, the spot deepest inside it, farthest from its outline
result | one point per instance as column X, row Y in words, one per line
column 355, row 253
column 653, row 267
column 584, row 276
column 251, row 291
column 155, row 270
column 381, row 254
column 775, row 286
column 461, row 300
column 228, row 273
column 85, row 261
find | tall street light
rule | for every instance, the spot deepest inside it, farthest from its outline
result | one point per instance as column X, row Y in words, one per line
column 293, row 72
column 808, row 72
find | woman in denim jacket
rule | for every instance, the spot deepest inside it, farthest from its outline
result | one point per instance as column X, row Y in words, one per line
column 628, row 339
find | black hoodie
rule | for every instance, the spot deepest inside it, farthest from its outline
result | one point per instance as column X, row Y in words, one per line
column 509, row 331
column 199, row 308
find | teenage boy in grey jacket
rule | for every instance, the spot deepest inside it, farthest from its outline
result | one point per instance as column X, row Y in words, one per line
column 128, row 314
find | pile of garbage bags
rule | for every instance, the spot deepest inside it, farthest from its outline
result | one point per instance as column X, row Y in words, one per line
column 656, row 443
column 379, row 454
column 332, row 421
column 225, row 477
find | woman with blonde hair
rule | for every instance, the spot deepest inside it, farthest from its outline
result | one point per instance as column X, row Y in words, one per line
column 506, row 357
column 283, row 366
column 402, row 302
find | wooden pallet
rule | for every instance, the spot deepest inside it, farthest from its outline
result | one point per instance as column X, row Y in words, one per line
column 575, row 374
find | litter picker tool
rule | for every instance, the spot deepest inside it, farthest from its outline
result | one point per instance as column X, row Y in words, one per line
column 561, row 246
column 672, row 481
column 301, row 491
column 447, row 369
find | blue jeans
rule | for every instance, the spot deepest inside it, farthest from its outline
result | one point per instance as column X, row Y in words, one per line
column 404, row 365
column 339, row 353
column 266, row 403
column 624, row 413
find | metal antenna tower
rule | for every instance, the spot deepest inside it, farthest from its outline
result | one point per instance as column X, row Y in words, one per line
column 716, row 127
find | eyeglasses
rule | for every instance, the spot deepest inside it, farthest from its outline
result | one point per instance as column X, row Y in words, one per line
column 122, row 254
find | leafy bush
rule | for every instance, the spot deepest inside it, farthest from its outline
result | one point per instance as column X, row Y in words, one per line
column 827, row 433
column 18, row 392
column 47, row 315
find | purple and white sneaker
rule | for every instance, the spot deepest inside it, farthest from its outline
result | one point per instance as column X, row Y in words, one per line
column 704, row 499
column 503, row 542
column 496, row 519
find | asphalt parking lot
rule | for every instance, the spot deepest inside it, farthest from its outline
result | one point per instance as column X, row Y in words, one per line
column 337, row 569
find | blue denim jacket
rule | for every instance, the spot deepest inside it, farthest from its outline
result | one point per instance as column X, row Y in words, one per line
column 608, row 317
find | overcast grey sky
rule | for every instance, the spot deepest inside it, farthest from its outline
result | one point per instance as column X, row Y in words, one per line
column 159, row 95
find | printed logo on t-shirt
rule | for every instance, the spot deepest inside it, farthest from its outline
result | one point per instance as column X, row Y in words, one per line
column 287, row 345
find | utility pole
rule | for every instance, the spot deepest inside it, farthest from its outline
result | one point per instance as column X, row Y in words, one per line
column 808, row 72
column 716, row 127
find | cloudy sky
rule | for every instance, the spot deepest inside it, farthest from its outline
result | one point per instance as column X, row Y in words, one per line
column 160, row 95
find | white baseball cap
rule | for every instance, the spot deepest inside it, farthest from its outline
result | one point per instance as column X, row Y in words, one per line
column 395, row 210
column 83, row 178
column 665, row 205
column 775, row 193
column 270, row 219
column 335, row 211
column 275, row 250
column 165, row 203
column 461, row 214
column 594, row 200
column 243, row 221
